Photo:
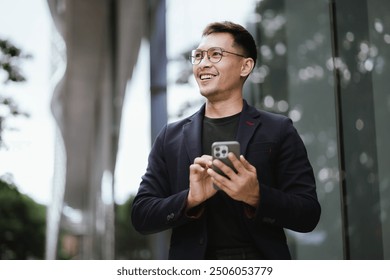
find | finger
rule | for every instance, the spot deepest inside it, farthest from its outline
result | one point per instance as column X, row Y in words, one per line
column 204, row 161
column 236, row 162
column 218, row 186
column 227, row 170
column 246, row 164
column 196, row 168
column 207, row 157
column 225, row 185
column 221, row 181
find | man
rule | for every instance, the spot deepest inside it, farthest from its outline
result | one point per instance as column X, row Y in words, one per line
column 272, row 188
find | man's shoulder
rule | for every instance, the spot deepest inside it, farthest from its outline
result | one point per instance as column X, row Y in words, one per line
column 266, row 116
column 180, row 123
column 274, row 117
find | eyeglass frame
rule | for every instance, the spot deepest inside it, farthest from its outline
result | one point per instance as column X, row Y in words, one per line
column 192, row 58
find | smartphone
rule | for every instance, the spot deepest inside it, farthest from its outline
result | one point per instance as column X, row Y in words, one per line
column 220, row 150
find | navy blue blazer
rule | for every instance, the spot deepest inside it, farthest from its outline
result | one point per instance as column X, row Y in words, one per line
column 268, row 141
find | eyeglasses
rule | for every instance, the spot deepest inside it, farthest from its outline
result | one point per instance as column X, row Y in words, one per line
column 214, row 54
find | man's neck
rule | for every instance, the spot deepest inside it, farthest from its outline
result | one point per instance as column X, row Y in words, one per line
column 225, row 108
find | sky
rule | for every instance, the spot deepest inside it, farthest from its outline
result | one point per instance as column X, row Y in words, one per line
column 31, row 149
column 29, row 156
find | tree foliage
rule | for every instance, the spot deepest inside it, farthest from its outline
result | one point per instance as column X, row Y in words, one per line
column 22, row 220
column 129, row 243
column 22, row 225
column 11, row 58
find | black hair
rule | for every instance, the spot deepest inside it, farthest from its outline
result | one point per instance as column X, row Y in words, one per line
column 242, row 37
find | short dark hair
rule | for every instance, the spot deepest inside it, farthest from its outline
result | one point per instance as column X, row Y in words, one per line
column 241, row 36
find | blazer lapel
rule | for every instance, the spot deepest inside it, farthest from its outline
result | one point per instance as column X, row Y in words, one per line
column 192, row 132
column 249, row 122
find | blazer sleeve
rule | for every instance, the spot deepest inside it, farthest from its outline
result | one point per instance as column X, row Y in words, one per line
column 292, row 201
column 157, row 206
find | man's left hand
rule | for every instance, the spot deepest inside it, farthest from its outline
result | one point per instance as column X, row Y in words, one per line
column 241, row 186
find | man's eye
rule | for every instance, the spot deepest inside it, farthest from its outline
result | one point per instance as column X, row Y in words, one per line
column 198, row 55
column 216, row 54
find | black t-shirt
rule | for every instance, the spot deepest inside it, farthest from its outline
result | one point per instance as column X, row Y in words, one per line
column 225, row 224
column 222, row 129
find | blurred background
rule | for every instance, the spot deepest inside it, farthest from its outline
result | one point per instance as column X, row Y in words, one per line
column 85, row 86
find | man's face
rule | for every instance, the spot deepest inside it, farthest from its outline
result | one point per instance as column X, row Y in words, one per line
column 221, row 80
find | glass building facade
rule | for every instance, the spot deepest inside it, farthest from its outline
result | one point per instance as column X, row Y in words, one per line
column 325, row 64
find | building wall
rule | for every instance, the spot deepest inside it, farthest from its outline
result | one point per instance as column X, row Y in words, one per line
column 324, row 64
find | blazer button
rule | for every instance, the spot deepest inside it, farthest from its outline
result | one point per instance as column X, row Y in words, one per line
column 170, row 217
column 201, row 241
column 268, row 220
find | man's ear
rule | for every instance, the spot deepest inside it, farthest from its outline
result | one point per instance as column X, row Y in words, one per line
column 247, row 67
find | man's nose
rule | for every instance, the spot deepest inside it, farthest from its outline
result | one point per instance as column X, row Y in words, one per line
column 205, row 59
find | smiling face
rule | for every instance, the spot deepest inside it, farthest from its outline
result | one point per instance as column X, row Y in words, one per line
column 222, row 80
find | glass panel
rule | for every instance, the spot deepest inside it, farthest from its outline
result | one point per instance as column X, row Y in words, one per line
column 378, row 63
column 312, row 108
column 294, row 76
column 355, row 60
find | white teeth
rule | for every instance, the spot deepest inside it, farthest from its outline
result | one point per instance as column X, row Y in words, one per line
column 206, row 76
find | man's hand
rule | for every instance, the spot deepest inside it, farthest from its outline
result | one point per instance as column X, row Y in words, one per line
column 243, row 185
column 201, row 187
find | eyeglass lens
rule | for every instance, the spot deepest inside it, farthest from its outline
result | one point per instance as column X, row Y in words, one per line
column 213, row 54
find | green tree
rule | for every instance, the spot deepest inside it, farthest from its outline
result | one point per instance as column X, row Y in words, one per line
column 22, row 220
column 10, row 72
column 129, row 244
column 22, row 225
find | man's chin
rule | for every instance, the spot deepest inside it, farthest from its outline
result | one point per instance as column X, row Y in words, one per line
column 207, row 92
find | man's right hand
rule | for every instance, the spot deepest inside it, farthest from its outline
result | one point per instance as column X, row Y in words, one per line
column 201, row 186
